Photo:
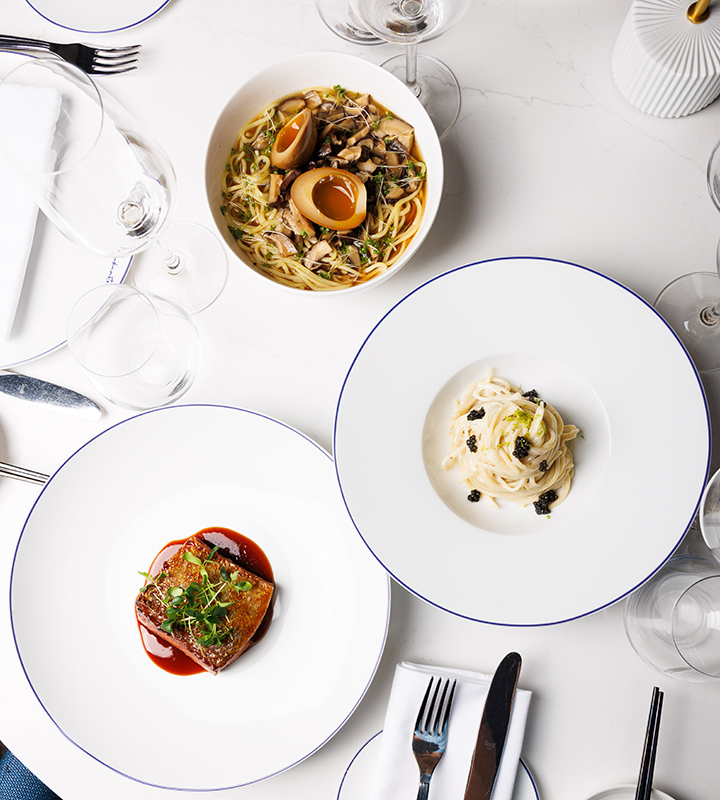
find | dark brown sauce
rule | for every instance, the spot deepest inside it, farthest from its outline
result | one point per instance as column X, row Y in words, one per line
column 232, row 545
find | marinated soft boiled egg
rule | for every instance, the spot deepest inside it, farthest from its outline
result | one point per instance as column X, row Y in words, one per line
column 295, row 141
column 333, row 198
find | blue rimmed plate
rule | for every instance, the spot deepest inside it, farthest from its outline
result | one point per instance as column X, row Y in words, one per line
column 85, row 16
column 105, row 514
column 593, row 349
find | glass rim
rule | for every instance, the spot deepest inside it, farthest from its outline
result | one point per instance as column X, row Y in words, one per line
column 83, row 82
column 694, row 585
column 111, row 290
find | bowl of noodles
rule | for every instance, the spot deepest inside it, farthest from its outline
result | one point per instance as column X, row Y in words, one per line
column 324, row 174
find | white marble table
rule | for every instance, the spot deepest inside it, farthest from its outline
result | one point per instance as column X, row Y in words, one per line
column 547, row 159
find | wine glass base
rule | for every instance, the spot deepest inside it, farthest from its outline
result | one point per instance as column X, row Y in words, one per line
column 436, row 88
column 681, row 304
column 199, row 279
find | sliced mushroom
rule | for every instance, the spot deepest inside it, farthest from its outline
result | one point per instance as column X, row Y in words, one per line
column 367, row 166
column 312, row 98
column 356, row 137
column 262, row 142
column 398, row 130
column 395, row 193
column 350, row 154
column 295, row 142
column 317, row 252
column 300, row 224
column 288, row 179
column 393, row 160
column 353, row 255
column 283, row 244
column 274, row 190
column 291, row 106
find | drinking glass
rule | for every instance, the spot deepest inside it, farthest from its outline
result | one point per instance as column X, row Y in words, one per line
column 339, row 16
column 691, row 304
column 103, row 183
column 409, row 22
column 139, row 350
column 673, row 620
column 709, row 515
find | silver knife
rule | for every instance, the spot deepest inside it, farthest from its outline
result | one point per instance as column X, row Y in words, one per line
column 48, row 394
column 493, row 729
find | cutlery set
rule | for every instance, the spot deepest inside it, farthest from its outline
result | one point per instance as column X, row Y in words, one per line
column 431, row 730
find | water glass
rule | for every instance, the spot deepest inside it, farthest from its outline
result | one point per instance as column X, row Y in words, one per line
column 139, row 350
column 673, row 620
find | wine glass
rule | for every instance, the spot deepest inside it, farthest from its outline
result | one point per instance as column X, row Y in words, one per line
column 339, row 16
column 105, row 184
column 691, row 304
column 409, row 22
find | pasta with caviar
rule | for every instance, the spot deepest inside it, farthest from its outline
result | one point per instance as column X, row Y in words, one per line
column 351, row 135
column 511, row 445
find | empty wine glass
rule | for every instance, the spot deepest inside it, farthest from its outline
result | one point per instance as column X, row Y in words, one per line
column 104, row 183
column 691, row 304
column 339, row 16
column 409, row 22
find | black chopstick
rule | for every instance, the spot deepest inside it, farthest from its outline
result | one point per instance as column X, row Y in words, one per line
column 647, row 765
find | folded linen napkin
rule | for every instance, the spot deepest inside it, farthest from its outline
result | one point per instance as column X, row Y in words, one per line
column 18, row 211
column 397, row 772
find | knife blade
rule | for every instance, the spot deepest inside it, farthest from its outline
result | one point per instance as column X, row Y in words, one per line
column 49, row 394
column 493, row 729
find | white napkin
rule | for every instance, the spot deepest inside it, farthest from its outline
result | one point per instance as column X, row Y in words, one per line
column 397, row 772
column 18, row 211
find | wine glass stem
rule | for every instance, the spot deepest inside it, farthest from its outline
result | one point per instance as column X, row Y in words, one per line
column 170, row 259
column 411, row 68
column 710, row 315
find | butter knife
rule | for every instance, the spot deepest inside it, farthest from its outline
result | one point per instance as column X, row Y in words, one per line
column 48, row 394
column 493, row 729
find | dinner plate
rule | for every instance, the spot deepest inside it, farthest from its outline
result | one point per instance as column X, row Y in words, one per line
column 104, row 515
column 358, row 775
column 58, row 272
column 604, row 359
column 88, row 16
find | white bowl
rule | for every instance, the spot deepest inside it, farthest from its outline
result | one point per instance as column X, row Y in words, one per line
column 300, row 72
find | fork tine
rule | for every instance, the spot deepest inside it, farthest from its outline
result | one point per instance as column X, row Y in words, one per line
column 448, row 708
column 99, row 69
column 423, row 707
column 132, row 49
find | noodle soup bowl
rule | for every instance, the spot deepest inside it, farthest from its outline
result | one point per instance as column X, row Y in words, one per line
column 293, row 76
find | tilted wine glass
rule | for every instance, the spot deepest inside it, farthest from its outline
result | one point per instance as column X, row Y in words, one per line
column 691, row 303
column 409, row 22
column 104, row 183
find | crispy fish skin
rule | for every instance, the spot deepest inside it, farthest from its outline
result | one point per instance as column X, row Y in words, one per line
column 243, row 616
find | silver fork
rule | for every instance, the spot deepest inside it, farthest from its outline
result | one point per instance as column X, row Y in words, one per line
column 93, row 60
column 430, row 737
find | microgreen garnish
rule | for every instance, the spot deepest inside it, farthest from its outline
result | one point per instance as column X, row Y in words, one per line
column 197, row 608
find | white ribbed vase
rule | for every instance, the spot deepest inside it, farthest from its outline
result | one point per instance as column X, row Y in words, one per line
column 663, row 63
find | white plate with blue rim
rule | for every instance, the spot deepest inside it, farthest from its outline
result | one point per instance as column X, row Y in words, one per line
column 91, row 16
column 103, row 517
column 597, row 352
column 57, row 274
column 359, row 772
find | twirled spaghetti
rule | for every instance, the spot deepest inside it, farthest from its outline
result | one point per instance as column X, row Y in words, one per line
column 355, row 134
column 511, row 445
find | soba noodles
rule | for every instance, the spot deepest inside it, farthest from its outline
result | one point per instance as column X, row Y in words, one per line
column 354, row 134
column 511, row 445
